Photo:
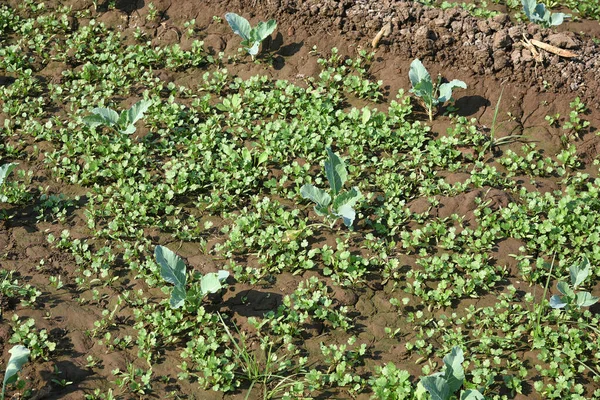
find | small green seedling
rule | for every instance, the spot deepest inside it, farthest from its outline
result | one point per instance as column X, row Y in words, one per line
column 443, row 385
column 251, row 37
column 5, row 170
column 537, row 13
column 18, row 356
column 122, row 123
column 336, row 204
column 173, row 270
column 431, row 95
column 569, row 298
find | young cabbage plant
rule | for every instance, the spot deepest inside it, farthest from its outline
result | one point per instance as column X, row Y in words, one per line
column 122, row 123
column 443, row 385
column 251, row 37
column 336, row 204
column 537, row 13
column 173, row 270
column 5, row 170
column 568, row 298
column 18, row 356
column 432, row 95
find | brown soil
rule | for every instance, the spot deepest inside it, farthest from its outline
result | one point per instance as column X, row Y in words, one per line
column 488, row 55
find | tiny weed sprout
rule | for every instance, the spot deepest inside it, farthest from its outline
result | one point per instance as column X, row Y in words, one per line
column 173, row 270
column 337, row 204
column 540, row 15
column 431, row 95
column 251, row 37
column 122, row 123
column 18, row 356
column 569, row 298
column 443, row 385
column 5, row 170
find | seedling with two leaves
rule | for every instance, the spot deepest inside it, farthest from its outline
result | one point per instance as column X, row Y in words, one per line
column 336, row 204
column 569, row 298
column 443, row 385
column 18, row 356
column 251, row 37
column 122, row 123
column 540, row 15
column 431, row 95
column 173, row 270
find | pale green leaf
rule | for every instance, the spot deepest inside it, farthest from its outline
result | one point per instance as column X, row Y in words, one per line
column 437, row 387
column 557, row 302
column 239, row 25
column 137, row 111
column 263, row 30
column 5, row 170
column 18, row 356
column 319, row 196
column 565, row 289
column 418, row 73
column 172, row 270
column 454, row 372
column 446, row 89
column 335, row 169
column 471, row 394
column 107, row 115
column 585, row 299
column 210, row 283
column 580, row 272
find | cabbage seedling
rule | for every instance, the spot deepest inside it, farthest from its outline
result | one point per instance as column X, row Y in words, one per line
column 443, row 385
column 537, row 13
column 173, row 270
column 122, row 123
column 336, row 204
column 431, row 95
column 18, row 356
column 251, row 37
column 569, row 298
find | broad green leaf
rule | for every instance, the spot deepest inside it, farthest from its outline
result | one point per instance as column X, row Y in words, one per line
column 557, row 18
column 94, row 120
column 437, row 387
column 418, row 73
column 565, row 289
column 347, row 213
column 137, row 111
column 172, row 270
column 557, row 302
column 254, row 49
column 321, row 211
column 210, row 283
column 222, row 275
column 263, row 30
column 319, row 196
column 580, row 272
column 585, row 299
column 178, row 296
column 454, row 372
column 129, row 129
column 109, row 116
column 239, row 25
column 344, row 205
column 5, row 170
column 18, row 356
column 335, row 169
column 446, row 89
column 529, row 8
column 471, row 394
